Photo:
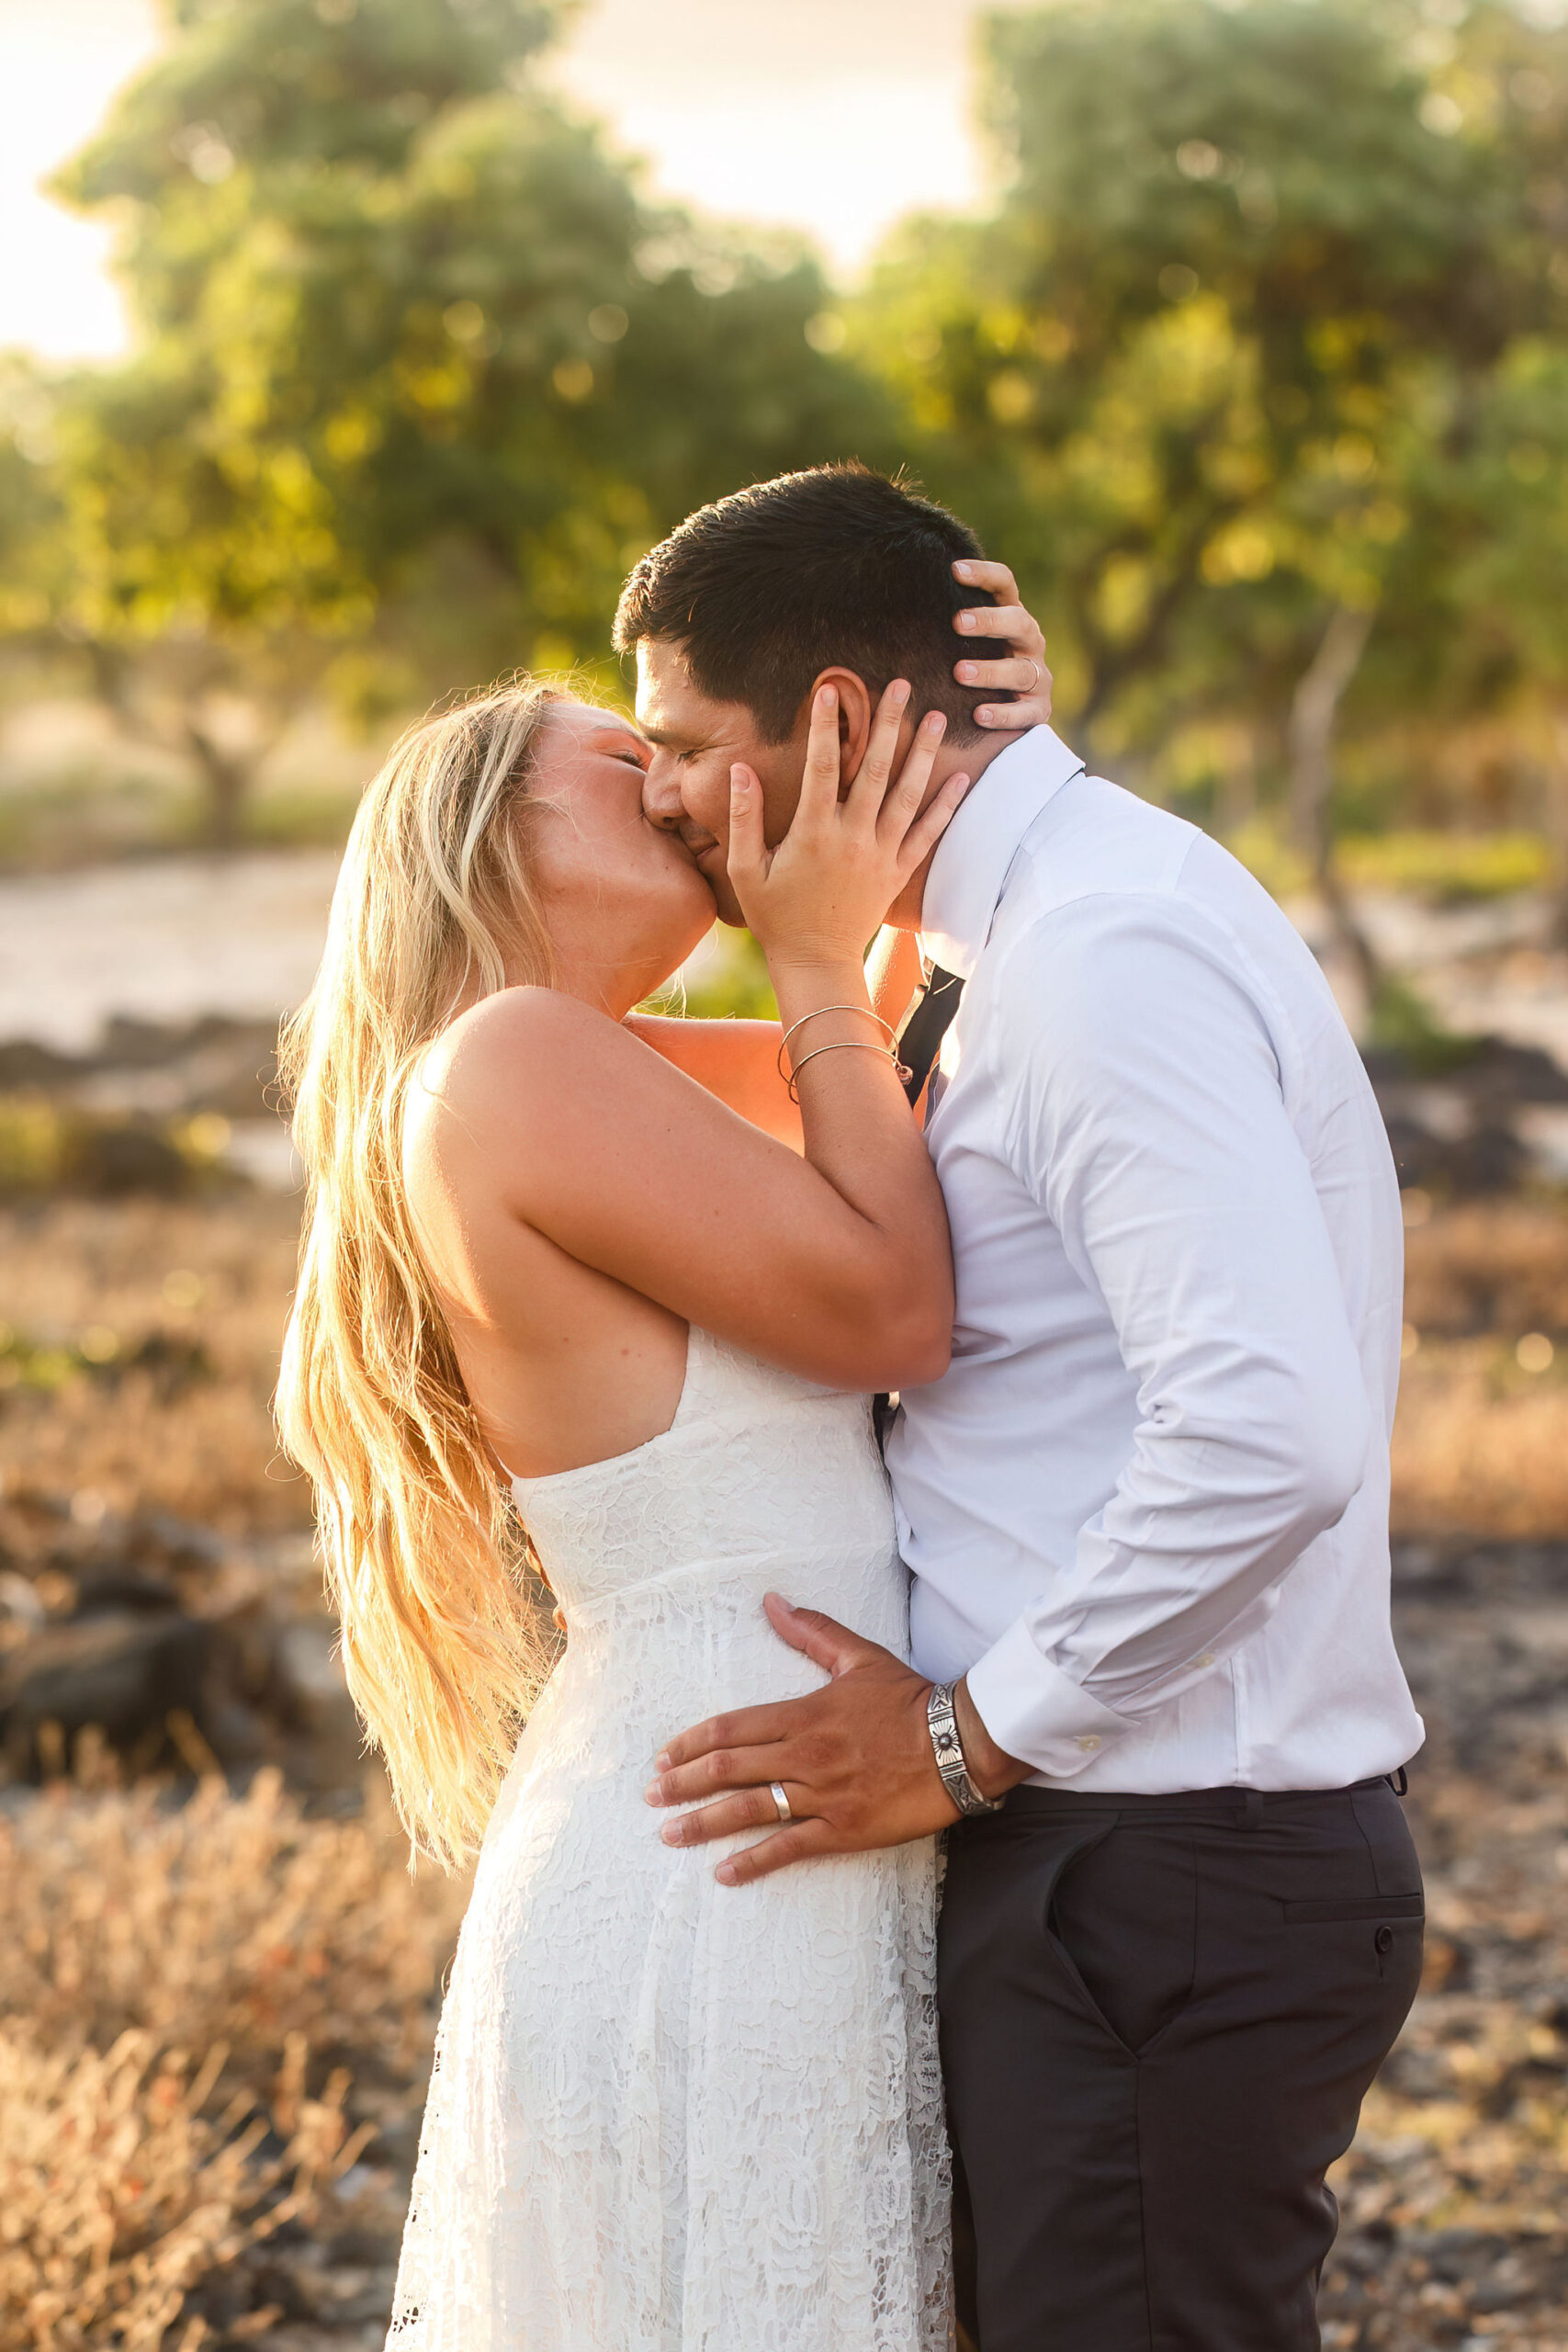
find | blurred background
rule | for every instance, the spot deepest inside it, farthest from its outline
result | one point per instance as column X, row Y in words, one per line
column 351, row 351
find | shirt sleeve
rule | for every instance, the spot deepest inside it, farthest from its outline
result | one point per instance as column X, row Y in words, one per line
column 1147, row 1119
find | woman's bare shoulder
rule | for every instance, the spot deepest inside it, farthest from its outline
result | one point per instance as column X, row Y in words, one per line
column 514, row 1065
column 520, row 1029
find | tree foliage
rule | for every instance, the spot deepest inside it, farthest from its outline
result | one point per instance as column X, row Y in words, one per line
column 1228, row 358
column 1255, row 370
column 420, row 374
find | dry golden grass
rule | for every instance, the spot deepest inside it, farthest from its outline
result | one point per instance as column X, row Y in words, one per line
column 218, row 1273
column 120, row 2194
column 174, row 1980
column 232, row 1921
column 1480, row 1448
column 1480, row 1444
column 1489, row 1266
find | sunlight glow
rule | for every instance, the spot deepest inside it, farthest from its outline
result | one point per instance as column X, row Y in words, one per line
column 828, row 118
column 61, row 61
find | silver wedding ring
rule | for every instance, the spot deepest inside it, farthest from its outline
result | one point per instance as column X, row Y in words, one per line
column 781, row 1802
column 1035, row 667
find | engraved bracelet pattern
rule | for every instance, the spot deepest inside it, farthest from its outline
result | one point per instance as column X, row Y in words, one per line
column 948, row 1749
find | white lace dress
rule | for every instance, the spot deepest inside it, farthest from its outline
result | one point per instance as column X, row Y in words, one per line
column 667, row 2115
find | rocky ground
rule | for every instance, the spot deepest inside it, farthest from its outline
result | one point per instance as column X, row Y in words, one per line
column 283, row 1933
column 317, row 1944
column 1452, row 2200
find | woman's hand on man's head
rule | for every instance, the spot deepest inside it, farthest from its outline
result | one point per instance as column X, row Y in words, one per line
column 1023, row 671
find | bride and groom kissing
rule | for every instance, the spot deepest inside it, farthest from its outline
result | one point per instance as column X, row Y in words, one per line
column 953, row 1884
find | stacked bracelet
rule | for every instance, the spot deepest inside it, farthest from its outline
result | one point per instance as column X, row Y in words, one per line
column 845, row 1045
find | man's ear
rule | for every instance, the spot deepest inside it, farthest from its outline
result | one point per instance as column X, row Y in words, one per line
column 856, row 707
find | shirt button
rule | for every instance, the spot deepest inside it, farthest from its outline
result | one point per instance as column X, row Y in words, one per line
column 1090, row 1741
column 1207, row 1658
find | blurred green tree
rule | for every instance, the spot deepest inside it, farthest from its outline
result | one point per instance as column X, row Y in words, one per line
column 418, row 374
column 1251, row 374
column 31, row 553
column 1507, row 573
column 1211, row 376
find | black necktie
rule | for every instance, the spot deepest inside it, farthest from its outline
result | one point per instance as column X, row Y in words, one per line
column 919, row 1040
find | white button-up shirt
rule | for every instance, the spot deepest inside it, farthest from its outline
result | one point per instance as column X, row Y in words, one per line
column 1146, row 1509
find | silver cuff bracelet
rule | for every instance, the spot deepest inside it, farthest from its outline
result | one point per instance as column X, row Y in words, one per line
column 948, row 1749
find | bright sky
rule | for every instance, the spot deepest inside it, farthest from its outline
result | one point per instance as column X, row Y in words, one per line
column 835, row 116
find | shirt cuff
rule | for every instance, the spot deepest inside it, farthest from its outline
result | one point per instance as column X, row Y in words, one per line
column 1035, row 1711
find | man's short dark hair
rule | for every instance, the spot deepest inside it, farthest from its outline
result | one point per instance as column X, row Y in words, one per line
column 835, row 567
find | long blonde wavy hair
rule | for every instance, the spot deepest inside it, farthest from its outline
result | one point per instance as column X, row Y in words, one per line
column 428, row 1569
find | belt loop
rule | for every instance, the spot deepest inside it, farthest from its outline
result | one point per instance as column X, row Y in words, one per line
column 1400, row 1781
column 1252, row 1809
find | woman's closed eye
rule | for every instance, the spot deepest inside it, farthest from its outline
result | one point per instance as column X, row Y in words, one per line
column 628, row 754
column 619, row 743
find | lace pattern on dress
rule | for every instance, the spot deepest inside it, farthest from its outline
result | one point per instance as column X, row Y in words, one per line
column 669, row 2115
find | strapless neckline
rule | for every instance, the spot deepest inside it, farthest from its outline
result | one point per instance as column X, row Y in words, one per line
column 521, row 1487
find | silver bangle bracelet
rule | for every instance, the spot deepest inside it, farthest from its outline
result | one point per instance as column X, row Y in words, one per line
column 948, row 1749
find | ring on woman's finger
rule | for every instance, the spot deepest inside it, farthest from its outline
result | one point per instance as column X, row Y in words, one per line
column 781, row 1802
column 1038, row 672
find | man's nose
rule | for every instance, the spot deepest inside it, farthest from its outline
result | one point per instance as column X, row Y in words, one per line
column 661, row 802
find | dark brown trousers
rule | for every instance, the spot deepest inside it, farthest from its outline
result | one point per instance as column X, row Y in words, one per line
column 1159, row 2016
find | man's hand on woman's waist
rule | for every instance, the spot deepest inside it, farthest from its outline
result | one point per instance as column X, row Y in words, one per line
column 854, row 1761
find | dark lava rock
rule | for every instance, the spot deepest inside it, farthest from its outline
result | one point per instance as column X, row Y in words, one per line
column 240, row 1057
column 1487, row 1158
column 1485, row 1068
column 125, row 1671
column 113, row 1157
column 1453, row 1127
column 25, row 1066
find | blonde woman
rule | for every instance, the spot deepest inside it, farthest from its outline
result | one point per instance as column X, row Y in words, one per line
column 554, row 1290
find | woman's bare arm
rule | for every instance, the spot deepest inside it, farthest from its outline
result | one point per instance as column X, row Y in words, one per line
column 581, row 1134
column 893, row 973
column 837, row 1266
column 736, row 1060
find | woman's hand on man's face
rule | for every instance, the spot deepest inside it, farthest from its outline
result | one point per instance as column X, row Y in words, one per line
column 1023, row 671
column 818, row 896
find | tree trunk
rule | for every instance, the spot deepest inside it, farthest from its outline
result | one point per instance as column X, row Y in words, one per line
column 226, row 779
column 1314, row 711
column 1235, row 796
column 1557, row 828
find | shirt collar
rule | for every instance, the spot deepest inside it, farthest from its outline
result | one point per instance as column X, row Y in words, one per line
column 970, row 868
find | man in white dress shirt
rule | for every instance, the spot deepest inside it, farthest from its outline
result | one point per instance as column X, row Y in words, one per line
column 1145, row 1510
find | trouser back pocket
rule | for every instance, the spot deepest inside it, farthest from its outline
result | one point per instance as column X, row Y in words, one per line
column 1359, row 1907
